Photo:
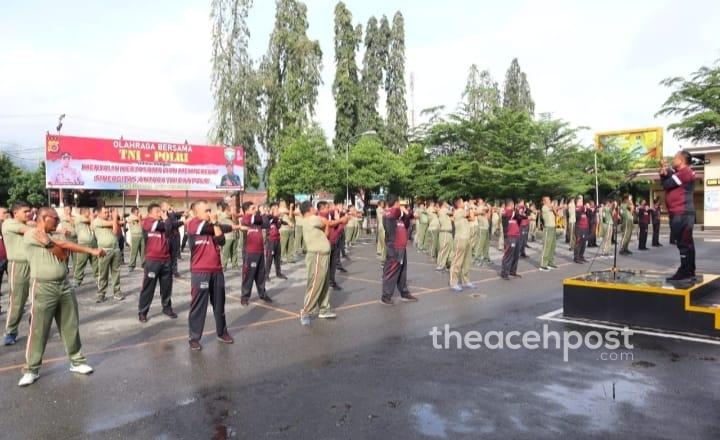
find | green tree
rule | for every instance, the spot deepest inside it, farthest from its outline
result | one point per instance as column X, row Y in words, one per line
column 236, row 87
column 372, row 165
column 8, row 176
column 30, row 187
column 697, row 102
column 292, row 175
column 420, row 178
column 516, row 95
column 396, row 129
column 290, row 78
column 481, row 95
column 346, row 88
column 374, row 61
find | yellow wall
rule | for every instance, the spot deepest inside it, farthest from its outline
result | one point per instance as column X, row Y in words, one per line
column 712, row 193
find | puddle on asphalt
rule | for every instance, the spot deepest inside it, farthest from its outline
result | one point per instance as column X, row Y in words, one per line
column 430, row 423
column 601, row 402
column 116, row 420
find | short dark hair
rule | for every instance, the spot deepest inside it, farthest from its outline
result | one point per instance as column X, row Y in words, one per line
column 320, row 205
column 305, row 207
column 153, row 206
column 247, row 205
column 222, row 204
column 273, row 205
column 391, row 200
column 687, row 157
column 18, row 205
column 509, row 201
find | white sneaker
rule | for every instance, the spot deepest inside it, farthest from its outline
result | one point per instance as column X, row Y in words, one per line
column 81, row 369
column 327, row 315
column 28, row 379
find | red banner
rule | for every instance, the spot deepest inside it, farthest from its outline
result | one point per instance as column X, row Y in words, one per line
column 94, row 163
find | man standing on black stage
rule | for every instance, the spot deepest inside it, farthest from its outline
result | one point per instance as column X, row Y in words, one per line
column 253, row 270
column 582, row 230
column 643, row 213
column 176, row 220
column 655, row 213
column 679, row 184
column 396, row 223
column 157, row 227
column 207, row 280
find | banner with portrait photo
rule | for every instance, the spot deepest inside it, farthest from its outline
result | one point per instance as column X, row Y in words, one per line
column 119, row 164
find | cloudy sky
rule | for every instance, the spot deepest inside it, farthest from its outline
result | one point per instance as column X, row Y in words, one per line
column 141, row 69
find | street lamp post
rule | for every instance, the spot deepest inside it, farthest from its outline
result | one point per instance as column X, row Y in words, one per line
column 347, row 160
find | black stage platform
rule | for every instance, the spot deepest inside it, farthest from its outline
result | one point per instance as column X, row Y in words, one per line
column 645, row 299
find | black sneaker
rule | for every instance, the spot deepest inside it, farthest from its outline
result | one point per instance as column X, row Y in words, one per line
column 386, row 301
column 195, row 345
column 266, row 299
column 170, row 313
column 680, row 277
column 281, row 276
column 342, row 269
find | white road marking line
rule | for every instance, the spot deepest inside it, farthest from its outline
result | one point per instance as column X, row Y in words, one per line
column 552, row 316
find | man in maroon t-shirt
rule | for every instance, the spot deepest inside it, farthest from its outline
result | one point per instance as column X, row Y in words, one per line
column 207, row 237
column 643, row 213
column 157, row 228
column 3, row 252
column 582, row 230
column 272, row 223
column 679, row 185
column 396, row 221
column 253, row 255
column 338, row 221
column 511, row 219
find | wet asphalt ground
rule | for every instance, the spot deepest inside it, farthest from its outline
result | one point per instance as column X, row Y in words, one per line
column 371, row 373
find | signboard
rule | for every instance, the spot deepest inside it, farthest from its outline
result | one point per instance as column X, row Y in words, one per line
column 299, row 198
column 712, row 200
column 712, row 182
column 645, row 144
column 118, row 164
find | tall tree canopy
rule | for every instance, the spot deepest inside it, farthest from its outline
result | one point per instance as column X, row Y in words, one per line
column 290, row 77
column 481, row 95
column 236, row 89
column 346, row 87
column 30, row 187
column 396, row 129
column 697, row 102
column 516, row 95
column 373, row 65
column 304, row 152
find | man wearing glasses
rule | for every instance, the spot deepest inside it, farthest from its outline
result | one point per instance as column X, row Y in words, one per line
column 52, row 296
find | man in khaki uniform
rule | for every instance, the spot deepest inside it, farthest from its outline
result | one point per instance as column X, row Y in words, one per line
column 571, row 224
column 52, row 297
column 422, row 218
column 287, row 227
column 18, row 269
column 381, row 231
column 229, row 249
column 86, row 238
column 445, row 239
column 106, row 229
column 482, row 250
column 461, row 259
column 497, row 227
column 315, row 231
column 547, row 261
column 607, row 228
column 627, row 210
column 67, row 227
column 137, row 240
column 433, row 230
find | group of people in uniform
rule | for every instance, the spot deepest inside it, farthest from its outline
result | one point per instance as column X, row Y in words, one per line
column 37, row 246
